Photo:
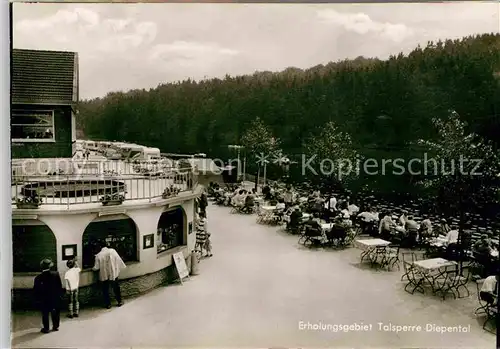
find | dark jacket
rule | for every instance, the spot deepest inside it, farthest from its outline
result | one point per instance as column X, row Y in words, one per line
column 48, row 289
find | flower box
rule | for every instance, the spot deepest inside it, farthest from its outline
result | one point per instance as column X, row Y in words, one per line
column 29, row 202
column 112, row 199
column 27, row 205
column 170, row 192
column 112, row 202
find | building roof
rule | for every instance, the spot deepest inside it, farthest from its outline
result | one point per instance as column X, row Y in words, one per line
column 44, row 77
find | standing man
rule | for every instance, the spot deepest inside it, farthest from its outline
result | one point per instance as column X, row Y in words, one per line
column 109, row 264
column 48, row 293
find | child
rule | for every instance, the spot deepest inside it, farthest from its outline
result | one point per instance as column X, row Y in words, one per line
column 48, row 292
column 72, row 279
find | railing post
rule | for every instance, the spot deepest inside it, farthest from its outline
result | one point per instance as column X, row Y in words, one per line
column 67, row 195
column 149, row 181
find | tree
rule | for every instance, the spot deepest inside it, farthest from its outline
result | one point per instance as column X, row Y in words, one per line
column 382, row 105
column 333, row 157
column 466, row 169
column 260, row 143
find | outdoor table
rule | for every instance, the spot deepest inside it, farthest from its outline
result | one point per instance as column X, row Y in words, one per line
column 266, row 214
column 372, row 249
column 439, row 242
column 268, row 208
column 431, row 270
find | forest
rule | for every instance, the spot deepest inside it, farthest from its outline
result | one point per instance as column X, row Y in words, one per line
column 370, row 107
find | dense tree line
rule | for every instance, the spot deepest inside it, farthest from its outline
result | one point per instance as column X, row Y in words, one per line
column 384, row 106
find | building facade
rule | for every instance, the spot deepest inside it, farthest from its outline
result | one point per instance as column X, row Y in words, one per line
column 44, row 99
column 63, row 207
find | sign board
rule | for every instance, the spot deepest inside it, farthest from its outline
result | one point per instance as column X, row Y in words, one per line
column 180, row 265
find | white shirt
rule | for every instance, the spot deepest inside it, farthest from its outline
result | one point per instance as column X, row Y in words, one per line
column 353, row 209
column 345, row 213
column 426, row 223
column 368, row 216
column 333, row 203
column 385, row 223
column 452, row 237
column 489, row 285
column 72, row 278
column 402, row 220
column 109, row 264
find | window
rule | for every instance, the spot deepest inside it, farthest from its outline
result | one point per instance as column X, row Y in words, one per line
column 170, row 231
column 30, row 245
column 121, row 234
column 32, row 125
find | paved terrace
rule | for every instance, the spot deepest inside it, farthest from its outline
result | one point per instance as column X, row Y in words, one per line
column 254, row 292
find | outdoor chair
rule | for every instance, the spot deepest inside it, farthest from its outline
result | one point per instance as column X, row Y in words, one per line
column 408, row 259
column 490, row 308
column 463, row 281
column 337, row 236
column 261, row 215
column 447, row 282
column 415, row 279
column 312, row 236
column 483, row 304
column 391, row 257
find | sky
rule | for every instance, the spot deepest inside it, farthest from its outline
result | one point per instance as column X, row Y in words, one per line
column 135, row 46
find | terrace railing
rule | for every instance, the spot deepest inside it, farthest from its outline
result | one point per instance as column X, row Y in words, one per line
column 80, row 182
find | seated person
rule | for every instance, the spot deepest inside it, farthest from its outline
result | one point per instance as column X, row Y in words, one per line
column 318, row 205
column 353, row 209
column 314, row 222
column 443, row 228
column 451, row 243
column 386, row 225
column 295, row 218
column 402, row 219
column 375, row 214
column 367, row 217
column 266, row 192
column 489, row 290
column 238, row 199
column 425, row 229
column 452, row 236
column 411, row 225
column 296, row 214
column 249, row 201
column 331, row 205
column 345, row 214
column 483, row 246
column 482, row 250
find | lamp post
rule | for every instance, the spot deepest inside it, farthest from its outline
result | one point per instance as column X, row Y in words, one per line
column 238, row 147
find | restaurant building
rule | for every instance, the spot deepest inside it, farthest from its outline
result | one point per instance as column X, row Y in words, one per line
column 62, row 207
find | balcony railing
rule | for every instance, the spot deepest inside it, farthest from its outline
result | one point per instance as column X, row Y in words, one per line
column 82, row 182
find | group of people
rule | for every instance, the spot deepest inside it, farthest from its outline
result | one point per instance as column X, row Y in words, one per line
column 49, row 289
